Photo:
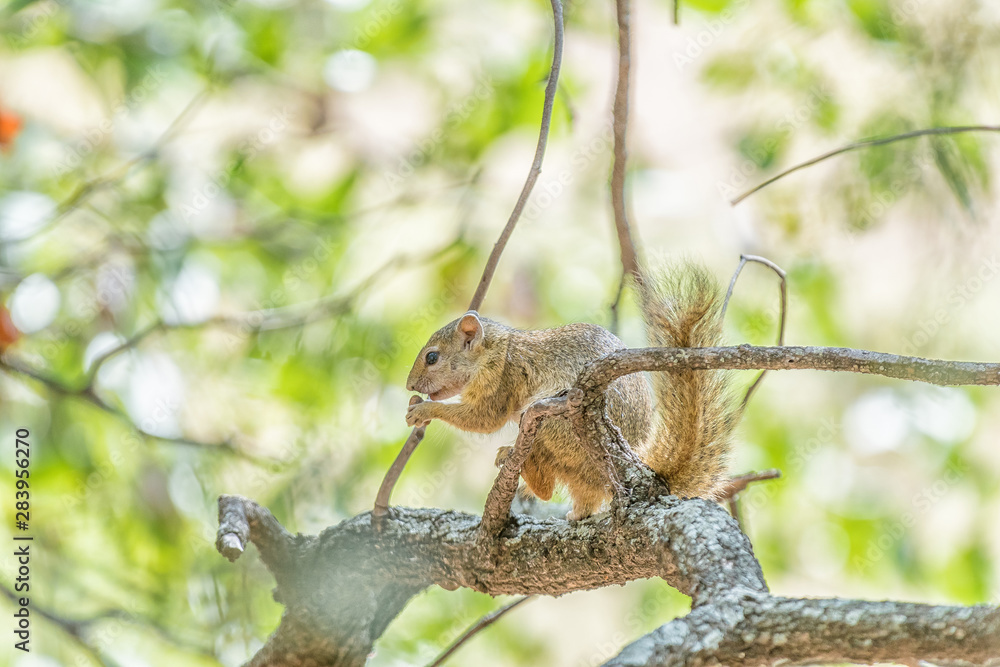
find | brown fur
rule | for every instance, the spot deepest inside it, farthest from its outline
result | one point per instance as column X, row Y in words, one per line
column 499, row 371
column 695, row 414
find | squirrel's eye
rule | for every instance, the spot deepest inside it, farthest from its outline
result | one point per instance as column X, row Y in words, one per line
column 431, row 358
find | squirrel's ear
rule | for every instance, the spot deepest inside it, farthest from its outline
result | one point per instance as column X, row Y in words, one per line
column 471, row 330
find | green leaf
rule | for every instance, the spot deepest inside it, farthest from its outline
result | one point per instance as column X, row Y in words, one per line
column 875, row 17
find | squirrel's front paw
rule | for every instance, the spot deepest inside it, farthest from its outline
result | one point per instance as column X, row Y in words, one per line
column 420, row 414
column 503, row 453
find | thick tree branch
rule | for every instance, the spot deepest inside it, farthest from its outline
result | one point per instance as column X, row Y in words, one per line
column 752, row 630
column 628, row 475
column 342, row 587
column 242, row 521
column 629, row 478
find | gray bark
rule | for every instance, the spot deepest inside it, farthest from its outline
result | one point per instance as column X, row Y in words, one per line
column 342, row 588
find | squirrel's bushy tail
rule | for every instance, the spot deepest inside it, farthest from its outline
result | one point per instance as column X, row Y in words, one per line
column 695, row 413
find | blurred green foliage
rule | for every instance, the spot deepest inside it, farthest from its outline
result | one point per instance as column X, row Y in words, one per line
column 295, row 194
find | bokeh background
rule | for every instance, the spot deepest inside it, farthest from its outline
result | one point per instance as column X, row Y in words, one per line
column 273, row 203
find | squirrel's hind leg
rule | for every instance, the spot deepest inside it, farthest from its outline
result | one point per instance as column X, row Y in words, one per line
column 539, row 478
column 587, row 499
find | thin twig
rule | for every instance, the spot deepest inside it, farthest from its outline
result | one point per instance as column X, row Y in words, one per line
column 73, row 628
column 613, row 326
column 416, row 435
column 732, row 285
column 88, row 395
column 91, row 261
column 536, row 165
column 254, row 321
column 381, row 507
column 329, row 306
column 274, row 319
column 501, row 495
column 677, row 12
column 783, row 315
column 118, row 349
column 619, row 202
column 84, row 191
column 737, row 484
column 733, row 502
column 117, row 174
column 597, row 375
column 867, row 143
column 475, row 628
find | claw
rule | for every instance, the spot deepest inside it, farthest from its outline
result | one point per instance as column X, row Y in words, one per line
column 503, row 453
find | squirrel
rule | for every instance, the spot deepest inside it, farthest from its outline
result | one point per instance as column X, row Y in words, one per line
column 499, row 371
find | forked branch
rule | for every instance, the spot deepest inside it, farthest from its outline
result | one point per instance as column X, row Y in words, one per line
column 783, row 314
